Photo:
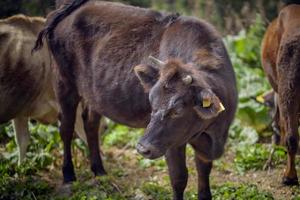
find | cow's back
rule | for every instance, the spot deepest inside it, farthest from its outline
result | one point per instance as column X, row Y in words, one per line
column 22, row 75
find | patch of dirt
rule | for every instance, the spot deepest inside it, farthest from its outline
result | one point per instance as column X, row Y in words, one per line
column 133, row 175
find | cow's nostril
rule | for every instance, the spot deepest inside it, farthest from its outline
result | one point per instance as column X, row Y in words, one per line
column 143, row 150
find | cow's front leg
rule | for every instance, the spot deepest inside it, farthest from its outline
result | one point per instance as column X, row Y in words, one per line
column 178, row 172
column 203, row 169
column 91, row 122
column 203, row 159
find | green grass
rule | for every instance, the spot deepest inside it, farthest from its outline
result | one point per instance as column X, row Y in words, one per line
column 230, row 191
column 25, row 188
column 101, row 188
column 152, row 190
column 22, row 182
column 227, row 191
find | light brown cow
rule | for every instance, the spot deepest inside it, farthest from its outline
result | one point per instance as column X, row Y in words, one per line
column 281, row 62
column 26, row 89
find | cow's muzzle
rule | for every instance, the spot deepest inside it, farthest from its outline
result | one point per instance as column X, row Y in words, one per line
column 148, row 150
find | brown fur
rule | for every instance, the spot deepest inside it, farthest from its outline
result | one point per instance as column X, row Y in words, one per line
column 207, row 59
column 281, row 62
column 96, row 48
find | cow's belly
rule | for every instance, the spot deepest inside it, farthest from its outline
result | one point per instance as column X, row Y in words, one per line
column 123, row 101
column 10, row 106
column 126, row 114
column 124, row 110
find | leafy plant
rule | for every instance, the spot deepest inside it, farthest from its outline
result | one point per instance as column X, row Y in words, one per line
column 21, row 182
column 230, row 191
column 43, row 141
column 154, row 191
column 253, row 157
column 25, row 188
column 101, row 188
column 121, row 136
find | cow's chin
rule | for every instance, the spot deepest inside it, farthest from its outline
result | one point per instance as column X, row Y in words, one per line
column 155, row 155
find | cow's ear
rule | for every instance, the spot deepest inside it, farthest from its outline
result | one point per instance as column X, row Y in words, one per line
column 207, row 104
column 147, row 75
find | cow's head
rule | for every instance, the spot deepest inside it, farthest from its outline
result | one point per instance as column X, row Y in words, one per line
column 181, row 102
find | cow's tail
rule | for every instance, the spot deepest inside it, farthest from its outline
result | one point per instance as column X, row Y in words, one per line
column 56, row 17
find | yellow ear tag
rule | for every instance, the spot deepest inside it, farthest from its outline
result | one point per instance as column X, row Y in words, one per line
column 206, row 103
column 260, row 99
column 222, row 108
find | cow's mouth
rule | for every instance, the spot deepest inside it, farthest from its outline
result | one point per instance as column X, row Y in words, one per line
column 149, row 151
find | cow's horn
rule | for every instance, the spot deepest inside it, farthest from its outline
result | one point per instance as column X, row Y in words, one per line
column 188, row 80
column 157, row 62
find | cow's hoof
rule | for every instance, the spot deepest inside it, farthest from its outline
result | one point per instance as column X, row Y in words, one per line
column 98, row 169
column 204, row 195
column 290, row 181
column 178, row 195
column 69, row 174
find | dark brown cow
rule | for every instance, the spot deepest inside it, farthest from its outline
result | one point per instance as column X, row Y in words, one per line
column 97, row 46
column 281, row 62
